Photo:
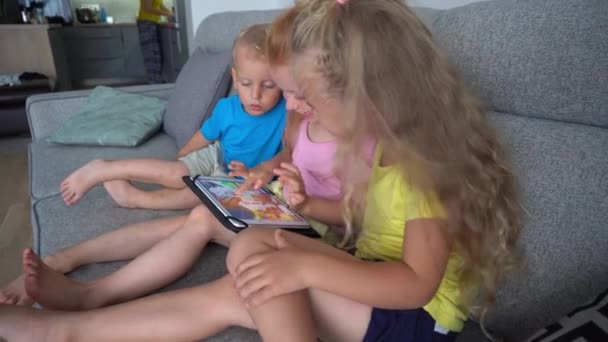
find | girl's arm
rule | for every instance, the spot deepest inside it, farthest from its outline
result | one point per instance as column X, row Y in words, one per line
column 147, row 4
column 164, row 8
column 326, row 211
column 197, row 142
column 392, row 285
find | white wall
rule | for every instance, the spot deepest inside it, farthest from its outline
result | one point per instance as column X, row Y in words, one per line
column 200, row 9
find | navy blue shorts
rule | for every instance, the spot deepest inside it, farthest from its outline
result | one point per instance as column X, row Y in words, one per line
column 404, row 326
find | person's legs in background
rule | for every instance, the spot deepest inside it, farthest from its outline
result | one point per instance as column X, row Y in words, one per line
column 149, row 40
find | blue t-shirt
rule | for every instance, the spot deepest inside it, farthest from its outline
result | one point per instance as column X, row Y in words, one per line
column 244, row 137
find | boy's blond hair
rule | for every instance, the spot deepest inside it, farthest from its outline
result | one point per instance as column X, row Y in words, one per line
column 253, row 40
column 380, row 61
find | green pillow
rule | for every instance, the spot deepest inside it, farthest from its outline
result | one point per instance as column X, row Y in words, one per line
column 112, row 118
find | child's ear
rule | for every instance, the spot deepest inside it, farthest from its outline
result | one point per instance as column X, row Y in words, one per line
column 233, row 72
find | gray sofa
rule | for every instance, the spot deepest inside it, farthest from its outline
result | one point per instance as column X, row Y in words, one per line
column 542, row 69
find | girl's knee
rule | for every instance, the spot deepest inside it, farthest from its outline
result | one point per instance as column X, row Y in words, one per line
column 201, row 213
column 181, row 168
column 247, row 243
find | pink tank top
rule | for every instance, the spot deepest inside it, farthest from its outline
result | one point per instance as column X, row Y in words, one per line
column 315, row 160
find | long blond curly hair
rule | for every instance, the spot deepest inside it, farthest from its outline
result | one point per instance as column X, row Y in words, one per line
column 380, row 61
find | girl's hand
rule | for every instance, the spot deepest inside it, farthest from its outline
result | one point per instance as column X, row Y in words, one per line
column 290, row 177
column 254, row 178
column 267, row 275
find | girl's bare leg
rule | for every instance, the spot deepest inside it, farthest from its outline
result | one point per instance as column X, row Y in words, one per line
column 121, row 244
column 163, row 172
column 156, row 267
column 290, row 317
column 128, row 196
column 183, row 315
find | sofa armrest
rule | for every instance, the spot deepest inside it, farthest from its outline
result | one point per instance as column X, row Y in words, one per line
column 47, row 112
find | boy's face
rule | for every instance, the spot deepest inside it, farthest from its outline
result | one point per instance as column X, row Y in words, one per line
column 252, row 81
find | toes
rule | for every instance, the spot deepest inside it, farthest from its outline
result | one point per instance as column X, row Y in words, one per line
column 7, row 298
column 30, row 268
column 68, row 195
column 26, row 252
column 23, row 300
column 74, row 199
column 71, row 198
column 31, row 262
column 33, row 257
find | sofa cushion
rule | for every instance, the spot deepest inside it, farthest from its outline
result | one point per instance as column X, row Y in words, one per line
column 96, row 214
column 204, row 79
column 562, row 172
column 112, row 118
column 217, row 31
column 51, row 163
column 47, row 112
column 537, row 58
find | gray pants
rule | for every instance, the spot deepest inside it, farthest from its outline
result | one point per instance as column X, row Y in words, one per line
column 149, row 40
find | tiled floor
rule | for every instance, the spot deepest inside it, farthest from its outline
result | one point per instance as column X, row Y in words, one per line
column 15, row 226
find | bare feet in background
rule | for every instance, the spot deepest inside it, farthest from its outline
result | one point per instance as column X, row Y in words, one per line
column 14, row 293
column 80, row 181
column 49, row 288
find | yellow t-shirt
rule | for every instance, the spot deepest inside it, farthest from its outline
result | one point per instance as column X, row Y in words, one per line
column 145, row 15
column 391, row 203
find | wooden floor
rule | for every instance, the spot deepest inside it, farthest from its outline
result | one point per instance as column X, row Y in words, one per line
column 15, row 226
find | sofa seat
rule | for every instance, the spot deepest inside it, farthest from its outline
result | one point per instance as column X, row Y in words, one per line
column 50, row 163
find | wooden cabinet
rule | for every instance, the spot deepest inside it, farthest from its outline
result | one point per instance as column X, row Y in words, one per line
column 110, row 54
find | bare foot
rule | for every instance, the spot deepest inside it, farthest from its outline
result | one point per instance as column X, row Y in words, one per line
column 80, row 181
column 121, row 192
column 19, row 324
column 14, row 293
column 50, row 288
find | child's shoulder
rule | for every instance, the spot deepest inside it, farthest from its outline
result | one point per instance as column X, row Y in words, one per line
column 228, row 105
column 229, row 101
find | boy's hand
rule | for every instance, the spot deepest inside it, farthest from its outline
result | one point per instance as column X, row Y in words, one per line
column 290, row 176
column 254, row 178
